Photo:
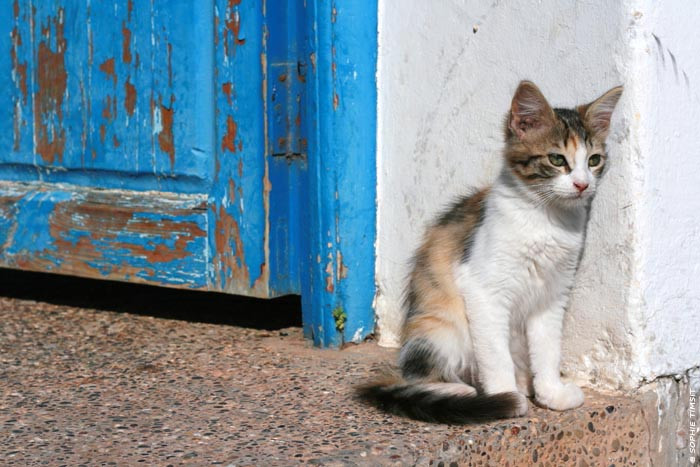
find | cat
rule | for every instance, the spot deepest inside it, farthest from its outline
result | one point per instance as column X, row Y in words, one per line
column 490, row 283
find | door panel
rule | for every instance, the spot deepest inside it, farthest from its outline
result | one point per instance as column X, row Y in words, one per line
column 126, row 110
column 110, row 91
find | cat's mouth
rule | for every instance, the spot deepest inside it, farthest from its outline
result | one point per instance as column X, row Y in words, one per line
column 568, row 199
column 579, row 195
column 574, row 199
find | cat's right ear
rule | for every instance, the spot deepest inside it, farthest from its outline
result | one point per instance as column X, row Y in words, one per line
column 530, row 114
column 597, row 114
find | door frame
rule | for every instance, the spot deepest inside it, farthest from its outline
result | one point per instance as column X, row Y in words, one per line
column 338, row 250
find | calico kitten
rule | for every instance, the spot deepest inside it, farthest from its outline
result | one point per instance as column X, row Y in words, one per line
column 490, row 283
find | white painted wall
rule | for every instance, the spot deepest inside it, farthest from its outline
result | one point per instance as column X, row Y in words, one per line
column 446, row 74
column 669, row 223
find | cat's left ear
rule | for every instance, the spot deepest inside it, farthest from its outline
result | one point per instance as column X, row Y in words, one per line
column 596, row 115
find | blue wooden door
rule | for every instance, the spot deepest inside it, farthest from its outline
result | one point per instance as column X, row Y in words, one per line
column 188, row 144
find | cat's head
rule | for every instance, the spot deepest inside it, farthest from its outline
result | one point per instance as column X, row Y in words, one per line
column 558, row 154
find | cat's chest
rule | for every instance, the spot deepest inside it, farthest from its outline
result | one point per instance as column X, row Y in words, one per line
column 527, row 263
column 532, row 244
column 542, row 244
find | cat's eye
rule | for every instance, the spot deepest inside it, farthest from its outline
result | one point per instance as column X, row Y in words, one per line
column 594, row 160
column 557, row 160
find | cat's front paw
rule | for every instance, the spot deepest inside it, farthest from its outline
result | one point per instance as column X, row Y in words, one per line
column 560, row 396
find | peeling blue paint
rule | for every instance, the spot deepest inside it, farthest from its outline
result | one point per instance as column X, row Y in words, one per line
column 73, row 232
column 239, row 191
column 105, row 50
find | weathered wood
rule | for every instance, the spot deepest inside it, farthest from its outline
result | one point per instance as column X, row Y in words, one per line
column 107, row 88
column 150, row 237
column 337, row 244
column 155, row 96
column 240, row 196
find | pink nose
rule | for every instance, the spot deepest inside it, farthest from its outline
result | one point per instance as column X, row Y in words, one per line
column 581, row 186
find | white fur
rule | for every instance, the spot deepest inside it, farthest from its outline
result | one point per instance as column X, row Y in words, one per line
column 516, row 285
column 448, row 389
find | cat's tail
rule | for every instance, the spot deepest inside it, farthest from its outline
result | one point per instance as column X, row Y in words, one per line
column 440, row 402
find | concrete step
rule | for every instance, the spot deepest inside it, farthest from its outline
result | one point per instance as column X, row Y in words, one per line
column 82, row 386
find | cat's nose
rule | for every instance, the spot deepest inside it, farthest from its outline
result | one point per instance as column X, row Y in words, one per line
column 581, row 186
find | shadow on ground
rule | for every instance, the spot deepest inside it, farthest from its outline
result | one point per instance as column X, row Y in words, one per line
column 186, row 305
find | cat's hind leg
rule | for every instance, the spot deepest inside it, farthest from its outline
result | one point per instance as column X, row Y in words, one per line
column 430, row 389
column 437, row 361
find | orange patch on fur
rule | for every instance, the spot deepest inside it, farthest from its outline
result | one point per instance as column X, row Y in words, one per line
column 436, row 300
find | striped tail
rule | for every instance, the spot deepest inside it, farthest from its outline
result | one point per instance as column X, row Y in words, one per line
column 439, row 402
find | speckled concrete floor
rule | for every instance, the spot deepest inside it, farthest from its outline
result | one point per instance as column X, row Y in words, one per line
column 85, row 386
